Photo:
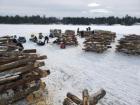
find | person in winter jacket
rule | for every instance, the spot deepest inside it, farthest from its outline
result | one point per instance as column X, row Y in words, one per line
column 40, row 36
column 20, row 46
column 47, row 39
column 62, row 45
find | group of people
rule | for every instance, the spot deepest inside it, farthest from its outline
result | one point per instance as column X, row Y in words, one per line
column 41, row 40
column 81, row 33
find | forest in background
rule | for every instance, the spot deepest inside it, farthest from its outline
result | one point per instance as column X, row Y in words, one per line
column 126, row 20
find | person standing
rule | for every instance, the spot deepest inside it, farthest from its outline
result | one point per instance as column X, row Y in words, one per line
column 77, row 31
column 47, row 39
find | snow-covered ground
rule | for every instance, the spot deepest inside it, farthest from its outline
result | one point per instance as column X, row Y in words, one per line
column 73, row 70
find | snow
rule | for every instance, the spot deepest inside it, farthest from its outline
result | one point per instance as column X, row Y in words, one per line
column 73, row 70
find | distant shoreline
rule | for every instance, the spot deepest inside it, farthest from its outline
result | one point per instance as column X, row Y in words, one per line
column 111, row 20
column 75, row 24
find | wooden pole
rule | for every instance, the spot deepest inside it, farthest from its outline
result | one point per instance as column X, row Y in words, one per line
column 24, row 79
column 74, row 98
column 97, row 96
column 15, row 64
column 68, row 101
column 29, row 51
column 85, row 97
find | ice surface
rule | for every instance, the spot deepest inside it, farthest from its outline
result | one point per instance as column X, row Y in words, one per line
column 72, row 69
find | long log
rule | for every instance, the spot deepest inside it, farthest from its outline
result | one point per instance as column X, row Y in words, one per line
column 8, row 79
column 74, row 98
column 43, row 73
column 18, row 95
column 9, row 76
column 85, row 97
column 17, row 63
column 68, row 101
column 93, row 100
column 23, row 69
column 29, row 51
column 27, row 78
column 5, row 60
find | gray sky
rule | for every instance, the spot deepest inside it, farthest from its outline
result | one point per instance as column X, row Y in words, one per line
column 62, row 8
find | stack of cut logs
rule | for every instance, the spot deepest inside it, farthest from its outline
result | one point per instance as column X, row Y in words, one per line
column 85, row 33
column 99, row 41
column 68, row 38
column 130, row 44
column 7, row 44
column 20, row 75
column 86, row 98
column 110, row 36
column 55, row 32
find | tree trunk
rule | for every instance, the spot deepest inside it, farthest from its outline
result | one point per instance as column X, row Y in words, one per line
column 27, row 78
column 29, row 51
column 13, row 73
column 85, row 97
column 74, row 98
column 15, row 64
column 96, row 97
column 68, row 101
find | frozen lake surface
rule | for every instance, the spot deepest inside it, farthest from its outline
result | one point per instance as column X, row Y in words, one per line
column 73, row 70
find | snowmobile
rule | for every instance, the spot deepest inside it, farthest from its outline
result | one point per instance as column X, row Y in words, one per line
column 22, row 39
column 41, row 43
column 33, row 38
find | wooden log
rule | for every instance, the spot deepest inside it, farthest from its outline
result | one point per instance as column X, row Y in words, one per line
column 29, row 51
column 18, row 95
column 5, row 60
column 4, row 39
column 16, row 64
column 42, row 57
column 26, row 78
column 68, row 101
column 8, row 79
column 93, row 100
column 43, row 73
column 74, row 98
column 12, row 74
column 23, row 69
column 85, row 97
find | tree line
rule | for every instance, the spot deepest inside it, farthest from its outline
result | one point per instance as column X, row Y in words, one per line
column 127, row 20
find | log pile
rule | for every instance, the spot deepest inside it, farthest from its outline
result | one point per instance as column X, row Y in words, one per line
column 7, row 43
column 86, row 98
column 55, row 33
column 20, row 75
column 85, row 33
column 130, row 44
column 99, row 42
column 67, row 38
column 110, row 36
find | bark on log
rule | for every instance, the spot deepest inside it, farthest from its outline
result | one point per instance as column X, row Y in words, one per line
column 8, row 79
column 68, row 101
column 97, row 96
column 17, row 63
column 5, row 60
column 85, row 97
column 74, row 98
column 18, row 96
column 13, row 53
column 43, row 73
column 18, row 71
column 29, row 51
column 27, row 78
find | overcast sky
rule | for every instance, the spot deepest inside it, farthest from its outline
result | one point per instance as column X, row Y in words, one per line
column 73, row 8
